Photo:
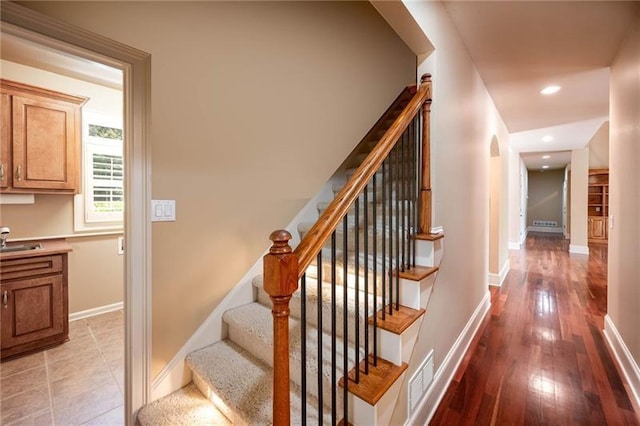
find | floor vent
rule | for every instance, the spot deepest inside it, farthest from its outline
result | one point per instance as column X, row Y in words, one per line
column 549, row 223
column 420, row 381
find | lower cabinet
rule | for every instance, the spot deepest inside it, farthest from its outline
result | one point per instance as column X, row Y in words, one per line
column 597, row 229
column 34, row 312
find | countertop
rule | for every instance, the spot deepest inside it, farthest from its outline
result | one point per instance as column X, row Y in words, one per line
column 55, row 246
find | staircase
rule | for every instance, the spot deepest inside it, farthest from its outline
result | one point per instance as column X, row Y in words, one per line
column 365, row 278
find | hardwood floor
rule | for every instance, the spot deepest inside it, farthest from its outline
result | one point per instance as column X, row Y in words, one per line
column 540, row 355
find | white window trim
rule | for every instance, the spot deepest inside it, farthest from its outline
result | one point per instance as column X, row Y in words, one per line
column 81, row 222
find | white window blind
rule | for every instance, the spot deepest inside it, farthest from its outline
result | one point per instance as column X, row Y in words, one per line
column 102, row 200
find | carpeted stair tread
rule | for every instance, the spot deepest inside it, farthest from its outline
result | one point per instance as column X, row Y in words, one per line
column 312, row 305
column 184, row 407
column 241, row 384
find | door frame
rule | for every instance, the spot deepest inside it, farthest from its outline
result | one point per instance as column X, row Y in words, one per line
column 136, row 67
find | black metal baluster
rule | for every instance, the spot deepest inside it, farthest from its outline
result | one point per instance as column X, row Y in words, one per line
column 375, row 271
column 403, row 181
column 303, row 347
column 345, row 322
column 419, row 161
column 366, row 280
column 416, row 185
column 390, row 225
column 411, row 199
column 397, row 215
column 384, row 237
column 334, row 366
column 356, row 269
column 319, row 283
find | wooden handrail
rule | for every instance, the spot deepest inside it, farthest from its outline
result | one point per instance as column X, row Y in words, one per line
column 283, row 266
column 313, row 241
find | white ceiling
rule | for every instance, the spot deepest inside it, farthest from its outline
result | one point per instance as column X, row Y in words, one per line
column 519, row 47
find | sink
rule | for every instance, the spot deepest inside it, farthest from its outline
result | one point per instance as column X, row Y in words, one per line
column 20, row 247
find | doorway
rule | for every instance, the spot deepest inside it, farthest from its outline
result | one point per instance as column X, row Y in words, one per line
column 135, row 65
column 494, row 212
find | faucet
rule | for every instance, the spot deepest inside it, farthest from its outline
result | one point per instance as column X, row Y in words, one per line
column 4, row 234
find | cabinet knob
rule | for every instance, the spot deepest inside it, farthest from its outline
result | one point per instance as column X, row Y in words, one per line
column 5, row 299
column 2, row 171
column 19, row 173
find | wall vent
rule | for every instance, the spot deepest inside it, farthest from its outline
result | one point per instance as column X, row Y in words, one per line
column 546, row 223
column 420, row 382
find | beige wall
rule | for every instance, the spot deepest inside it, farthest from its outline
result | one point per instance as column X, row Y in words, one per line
column 96, row 275
column 624, row 182
column 254, row 105
column 599, row 148
column 461, row 164
column 545, row 196
column 96, row 272
column 579, row 188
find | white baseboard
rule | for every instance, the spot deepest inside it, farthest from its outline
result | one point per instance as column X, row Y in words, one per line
column 498, row 279
column 578, row 249
column 514, row 246
column 625, row 360
column 549, row 229
column 96, row 311
column 427, row 406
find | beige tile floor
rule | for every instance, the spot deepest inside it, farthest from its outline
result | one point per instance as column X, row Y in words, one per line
column 78, row 383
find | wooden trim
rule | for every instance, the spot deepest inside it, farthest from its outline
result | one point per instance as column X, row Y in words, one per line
column 418, row 273
column 425, row 188
column 280, row 282
column 598, row 171
column 401, row 319
column 374, row 385
column 429, row 237
column 338, row 208
column 15, row 88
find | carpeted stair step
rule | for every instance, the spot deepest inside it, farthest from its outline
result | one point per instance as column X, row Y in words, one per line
column 312, row 306
column 184, row 407
column 240, row 385
column 382, row 233
column 251, row 327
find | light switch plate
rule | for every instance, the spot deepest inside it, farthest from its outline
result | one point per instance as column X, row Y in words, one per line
column 163, row 210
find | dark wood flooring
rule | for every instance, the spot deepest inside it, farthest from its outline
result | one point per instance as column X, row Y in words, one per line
column 540, row 357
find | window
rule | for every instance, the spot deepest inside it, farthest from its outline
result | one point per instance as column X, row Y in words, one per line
column 101, row 203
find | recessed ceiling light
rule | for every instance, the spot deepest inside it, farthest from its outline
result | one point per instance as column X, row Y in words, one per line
column 547, row 138
column 545, row 167
column 544, row 157
column 550, row 90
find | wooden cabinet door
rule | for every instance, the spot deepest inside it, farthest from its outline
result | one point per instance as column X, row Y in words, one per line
column 5, row 139
column 598, row 228
column 45, row 153
column 32, row 310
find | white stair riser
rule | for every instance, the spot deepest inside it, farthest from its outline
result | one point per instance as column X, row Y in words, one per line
column 362, row 413
column 429, row 253
column 416, row 294
column 397, row 348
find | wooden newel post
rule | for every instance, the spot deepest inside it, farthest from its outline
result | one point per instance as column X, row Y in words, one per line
column 280, row 282
column 425, row 185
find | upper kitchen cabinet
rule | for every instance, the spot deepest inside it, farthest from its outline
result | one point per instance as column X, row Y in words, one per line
column 41, row 139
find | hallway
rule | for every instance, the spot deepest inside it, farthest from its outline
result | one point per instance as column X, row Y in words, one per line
column 540, row 356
